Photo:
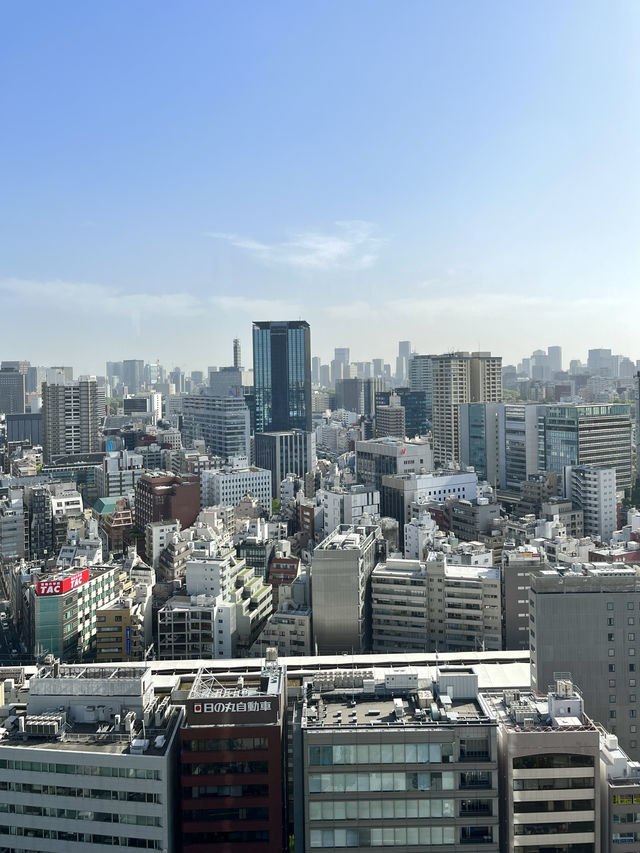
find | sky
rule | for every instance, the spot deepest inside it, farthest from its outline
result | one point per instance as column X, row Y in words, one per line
column 464, row 175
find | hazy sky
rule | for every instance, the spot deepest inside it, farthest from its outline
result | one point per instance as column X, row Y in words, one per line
column 462, row 174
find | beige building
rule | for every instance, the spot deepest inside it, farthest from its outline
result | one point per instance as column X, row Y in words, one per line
column 460, row 378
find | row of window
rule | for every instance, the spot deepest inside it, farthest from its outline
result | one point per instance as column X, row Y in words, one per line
column 91, row 793
column 375, row 809
column 397, row 836
column 226, row 744
column 200, row 768
column 79, row 769
column 552, row 784
column 375, row 753
column 554, row 828
column 627, row 817
column 86, row 838
column 257, row 813
column 347, row 782
column 551, row 760
column 525, row 806
column 75, row 814
column 197, row 791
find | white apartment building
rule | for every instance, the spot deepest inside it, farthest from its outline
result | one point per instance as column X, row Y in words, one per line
column 419, row 534
column 593, row 490
column 429, row 606
column 228, row 487
column 213, row 575
column 158, row 534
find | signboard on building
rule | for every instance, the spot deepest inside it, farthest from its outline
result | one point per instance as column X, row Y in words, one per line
column 56, row 584
column 233, row 710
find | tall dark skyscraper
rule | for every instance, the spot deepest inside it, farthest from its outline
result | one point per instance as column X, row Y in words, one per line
column 282, row 375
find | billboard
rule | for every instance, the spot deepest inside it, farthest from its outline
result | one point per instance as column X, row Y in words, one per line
column 250, row 710
column 56, row 584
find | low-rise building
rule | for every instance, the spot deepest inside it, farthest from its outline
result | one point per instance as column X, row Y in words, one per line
column 432, row 606
column 229, row 486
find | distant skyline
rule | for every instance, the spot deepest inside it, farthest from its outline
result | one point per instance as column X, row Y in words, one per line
column 465, row 176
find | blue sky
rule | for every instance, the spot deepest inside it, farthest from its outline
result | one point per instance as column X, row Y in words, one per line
column 465, row 175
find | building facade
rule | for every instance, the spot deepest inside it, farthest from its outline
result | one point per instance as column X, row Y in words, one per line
column 282, row 376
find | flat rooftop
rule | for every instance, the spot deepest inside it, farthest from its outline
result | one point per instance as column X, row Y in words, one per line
column 355, row 709
column 100, row 738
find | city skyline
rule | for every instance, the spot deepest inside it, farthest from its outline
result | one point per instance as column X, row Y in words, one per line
column 452, row 175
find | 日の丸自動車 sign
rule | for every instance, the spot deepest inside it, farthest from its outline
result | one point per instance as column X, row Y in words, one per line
column 226, row 710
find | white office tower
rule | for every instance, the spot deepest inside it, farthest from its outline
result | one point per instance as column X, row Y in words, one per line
column 593, row 490
column 90, row 764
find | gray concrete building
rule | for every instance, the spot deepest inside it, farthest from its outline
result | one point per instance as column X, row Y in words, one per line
column 282, row 453
column 70, row 419
column 587, row 622
column 341, row 573
column 432, row 606
column 395, row 759
column 223, row 423
column 378, row 457
column 11, row 391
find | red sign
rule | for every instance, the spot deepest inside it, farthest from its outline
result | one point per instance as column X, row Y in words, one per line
column 62, row 583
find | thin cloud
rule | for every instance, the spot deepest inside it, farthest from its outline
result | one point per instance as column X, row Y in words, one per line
column 88, row 297
column 259, row 309
column 353, row 246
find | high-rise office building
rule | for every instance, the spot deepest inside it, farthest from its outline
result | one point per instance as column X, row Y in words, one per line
column 11, row 391
column 598, row 435
column 282, row 453
column 133, row 374
column 282, row 375
column 391, row 419
column 223, row 423
column 315, row 369
column 460, row 378
column 402, row 361
column 237, row 354
column 555, row 359
column 70, row 419
column 585, row 622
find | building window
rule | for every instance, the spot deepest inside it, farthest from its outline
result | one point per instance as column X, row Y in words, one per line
column 612, row 698
column 611, row 638
column 631, row 637
column 612, row 715
column 609, row 605
column 612, row 653
column 612, row 667
column 629, row 605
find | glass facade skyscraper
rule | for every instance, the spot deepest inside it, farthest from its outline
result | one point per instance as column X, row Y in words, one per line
column 282, row 375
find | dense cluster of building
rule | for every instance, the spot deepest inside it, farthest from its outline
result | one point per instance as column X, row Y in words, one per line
column 451, row 506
